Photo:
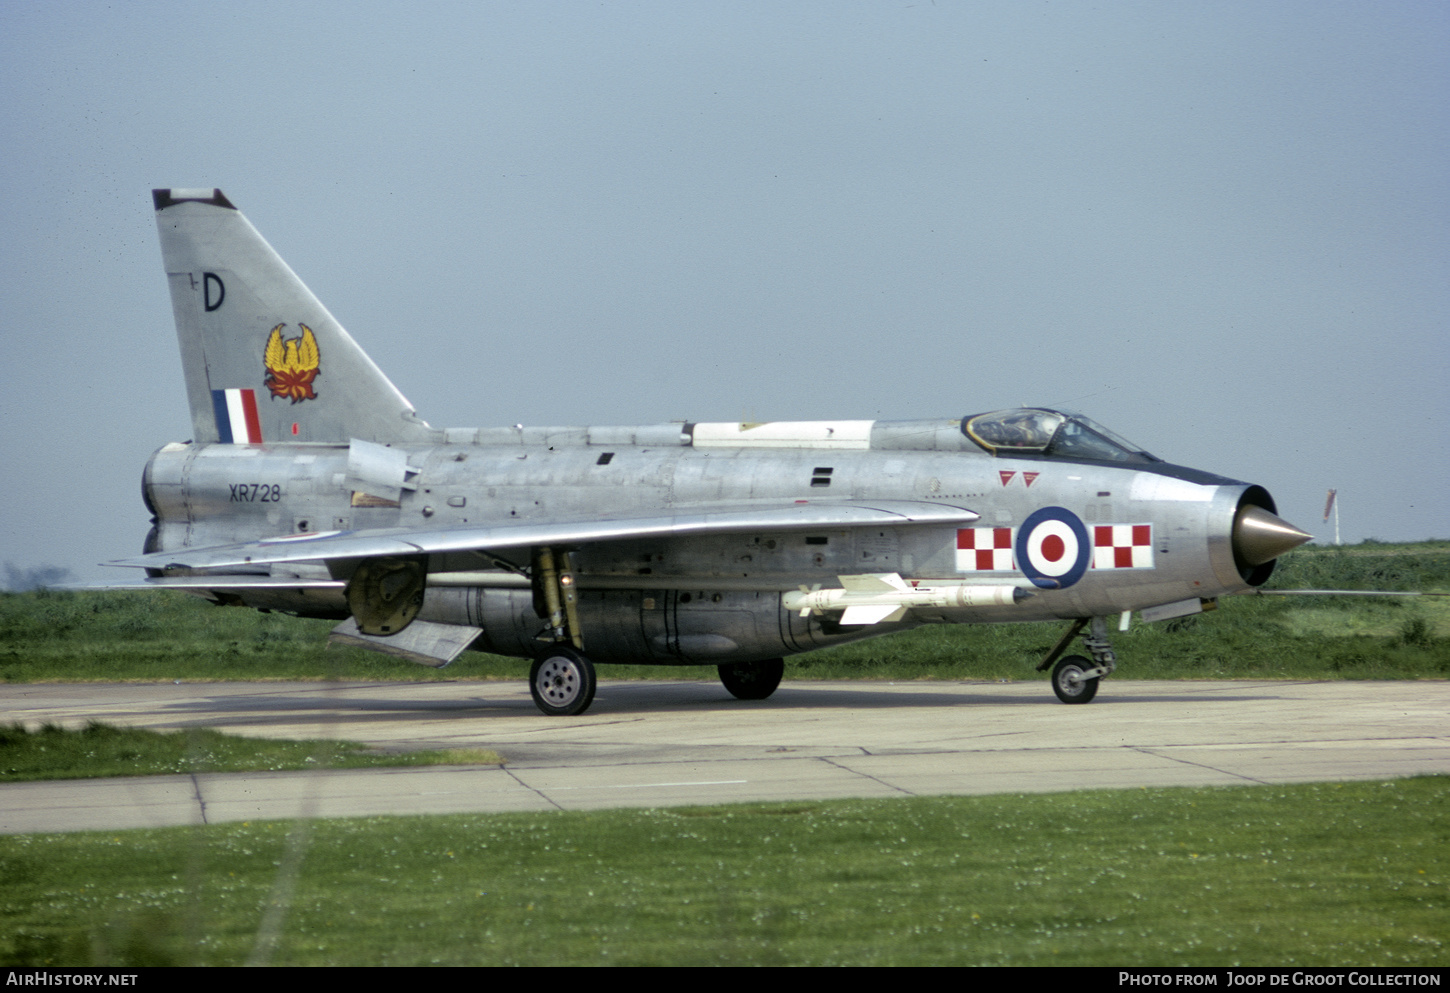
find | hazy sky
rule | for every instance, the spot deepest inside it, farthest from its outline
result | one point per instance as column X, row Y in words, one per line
column 1219, row 228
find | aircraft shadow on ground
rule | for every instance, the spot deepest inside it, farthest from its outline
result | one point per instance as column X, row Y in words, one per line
column 635, row 699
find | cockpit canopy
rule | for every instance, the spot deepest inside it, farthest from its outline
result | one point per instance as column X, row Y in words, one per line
column 1039, row 431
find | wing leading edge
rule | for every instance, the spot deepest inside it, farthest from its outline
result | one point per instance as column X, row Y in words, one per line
column 417, row 541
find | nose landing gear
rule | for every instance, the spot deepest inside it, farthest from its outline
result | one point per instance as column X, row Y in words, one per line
column 1075, row 678
column 1069, row 683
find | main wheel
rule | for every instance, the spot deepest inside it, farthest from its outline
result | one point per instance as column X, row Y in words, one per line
column 562, row 682
column 1068, row 682
column 752, row 680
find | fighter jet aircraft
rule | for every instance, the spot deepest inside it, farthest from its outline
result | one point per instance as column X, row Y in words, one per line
column 311, row 486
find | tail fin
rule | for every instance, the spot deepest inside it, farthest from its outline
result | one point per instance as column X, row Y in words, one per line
column 264, row 360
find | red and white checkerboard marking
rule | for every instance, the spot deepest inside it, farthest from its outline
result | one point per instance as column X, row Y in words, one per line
column 985, row 550
column 1120, row 546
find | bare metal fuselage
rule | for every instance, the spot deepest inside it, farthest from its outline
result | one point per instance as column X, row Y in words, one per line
column 696, row 599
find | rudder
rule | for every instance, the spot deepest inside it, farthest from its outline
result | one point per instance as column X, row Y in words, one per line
column 264, row 360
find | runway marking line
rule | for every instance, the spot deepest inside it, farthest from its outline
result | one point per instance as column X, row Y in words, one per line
column 645, row 786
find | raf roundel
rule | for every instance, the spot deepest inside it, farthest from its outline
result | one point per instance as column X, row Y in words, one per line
column 1053, row 548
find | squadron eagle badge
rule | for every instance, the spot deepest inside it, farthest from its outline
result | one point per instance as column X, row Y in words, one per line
column 292, row 364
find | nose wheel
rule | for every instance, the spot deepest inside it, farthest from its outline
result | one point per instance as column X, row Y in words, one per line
column 562, row 682
column 1075, row 677
column 1069, row 682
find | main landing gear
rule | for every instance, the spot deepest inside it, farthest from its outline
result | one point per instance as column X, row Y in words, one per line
column 752, row 680
column 561, row 679
column 562, row 682
column 1075, row 678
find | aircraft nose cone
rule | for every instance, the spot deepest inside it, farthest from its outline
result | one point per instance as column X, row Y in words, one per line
column 1260, row 536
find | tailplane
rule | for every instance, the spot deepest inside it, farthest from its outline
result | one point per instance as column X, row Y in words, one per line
column 264, row 360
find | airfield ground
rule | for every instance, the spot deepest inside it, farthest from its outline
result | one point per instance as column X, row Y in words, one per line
column 648, row 744
column 636, row 834
column 1349, row 873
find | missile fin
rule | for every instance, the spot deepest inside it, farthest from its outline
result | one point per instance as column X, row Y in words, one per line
column 875, row 582
column 875, row 614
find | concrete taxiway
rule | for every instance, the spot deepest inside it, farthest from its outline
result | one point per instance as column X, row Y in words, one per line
column 663, row 743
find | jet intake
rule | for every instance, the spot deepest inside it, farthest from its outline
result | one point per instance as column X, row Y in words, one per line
column 1260, row 536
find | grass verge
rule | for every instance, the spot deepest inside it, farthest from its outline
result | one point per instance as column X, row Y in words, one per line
column 1319, row 874
column 99, row 750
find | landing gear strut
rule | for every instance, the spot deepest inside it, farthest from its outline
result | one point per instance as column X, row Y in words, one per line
column 1075, row 678
column 562, row 679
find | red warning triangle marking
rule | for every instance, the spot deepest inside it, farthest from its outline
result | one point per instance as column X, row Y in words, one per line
column 1029, row 478
column 1006, row 475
